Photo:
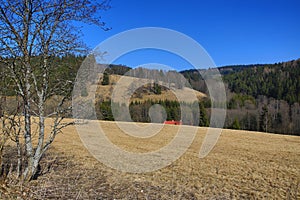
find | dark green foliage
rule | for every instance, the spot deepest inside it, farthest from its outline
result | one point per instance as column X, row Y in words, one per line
column 236, row 124
column 62, row 69
column 7, row 84
column 104, row 112
column 235, row 68
column 203, row 120
column 157, row 88
column 206, row 103
column 139, row 111
column 279, row 81
column 239, row 100
column 105, row 80
column 117, row 69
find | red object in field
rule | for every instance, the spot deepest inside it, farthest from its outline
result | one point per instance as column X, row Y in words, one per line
column 173, row 122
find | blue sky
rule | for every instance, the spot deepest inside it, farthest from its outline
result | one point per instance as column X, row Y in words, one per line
column 231, row 31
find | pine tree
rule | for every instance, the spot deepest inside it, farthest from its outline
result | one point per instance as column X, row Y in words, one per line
column 236, row 124
column 203, row 120
column 105, row 80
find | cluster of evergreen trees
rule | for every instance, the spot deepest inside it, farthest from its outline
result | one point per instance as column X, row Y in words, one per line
column 279, row 81
column 66, row 68
column 139, row 111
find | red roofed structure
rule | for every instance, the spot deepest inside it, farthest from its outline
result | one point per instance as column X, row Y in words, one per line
column 173, row 122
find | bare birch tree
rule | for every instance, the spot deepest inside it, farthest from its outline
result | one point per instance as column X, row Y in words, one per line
column 33, row 33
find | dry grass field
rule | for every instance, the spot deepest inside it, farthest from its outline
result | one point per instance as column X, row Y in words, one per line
column 242, row 165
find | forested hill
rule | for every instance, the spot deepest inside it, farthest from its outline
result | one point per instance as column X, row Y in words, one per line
column 279, row 81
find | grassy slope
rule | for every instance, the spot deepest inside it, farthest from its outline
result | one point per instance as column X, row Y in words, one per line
column 243, row 164
column 106, row 90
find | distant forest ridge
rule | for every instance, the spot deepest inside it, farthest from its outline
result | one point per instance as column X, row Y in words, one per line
column 279, row 81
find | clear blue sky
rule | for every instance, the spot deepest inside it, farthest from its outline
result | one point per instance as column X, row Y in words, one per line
column 231, row 31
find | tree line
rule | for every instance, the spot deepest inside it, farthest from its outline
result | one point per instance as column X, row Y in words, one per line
column 140, row 111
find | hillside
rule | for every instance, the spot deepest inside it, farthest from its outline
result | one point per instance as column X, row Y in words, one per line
column 260, row 97
column 144, row 93
column 279, row 81
column 275, row 93
column 243, row 165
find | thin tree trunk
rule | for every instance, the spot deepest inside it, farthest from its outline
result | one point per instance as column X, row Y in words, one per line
column 39, row 148
column 19, row 155
column 27, row 135
column 28, row 143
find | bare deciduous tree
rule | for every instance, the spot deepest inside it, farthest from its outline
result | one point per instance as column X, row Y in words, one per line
column 33, row 33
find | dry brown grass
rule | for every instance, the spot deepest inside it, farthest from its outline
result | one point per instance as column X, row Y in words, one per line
column 243, row 165
column 105, row 91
